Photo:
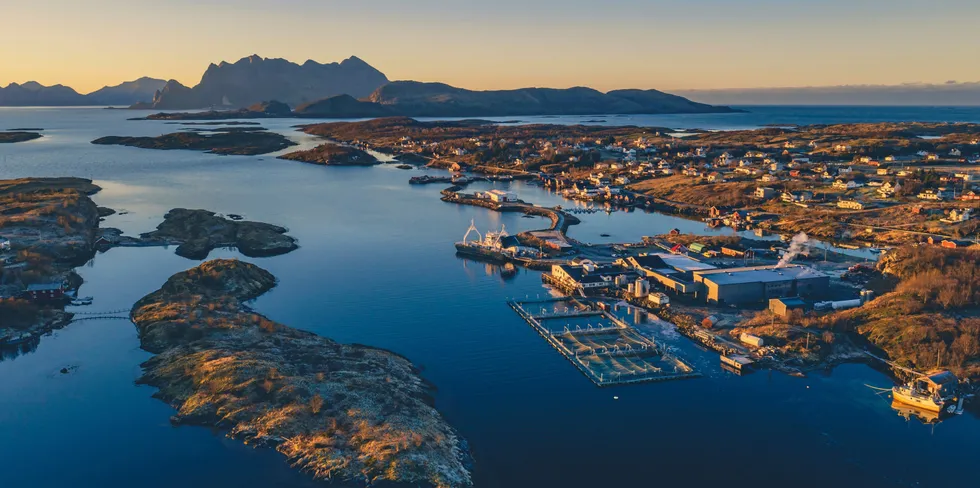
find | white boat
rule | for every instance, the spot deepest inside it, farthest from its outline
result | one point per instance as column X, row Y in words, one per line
column 932, row 391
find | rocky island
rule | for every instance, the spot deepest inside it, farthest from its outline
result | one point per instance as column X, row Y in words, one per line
column 198, row 232
column 333, row 155
column 18, row 136
column 242, row 142
column 341, row 412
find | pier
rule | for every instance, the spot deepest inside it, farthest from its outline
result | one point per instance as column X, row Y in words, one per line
column 610, row 353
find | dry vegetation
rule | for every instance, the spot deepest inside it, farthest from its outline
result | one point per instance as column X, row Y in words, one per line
column 690, row 191
column 338, row 411
column 931, row 316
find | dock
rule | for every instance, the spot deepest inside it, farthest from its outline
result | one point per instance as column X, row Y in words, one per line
column 610, row 353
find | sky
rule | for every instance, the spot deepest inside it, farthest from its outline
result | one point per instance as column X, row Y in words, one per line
column 499, row 44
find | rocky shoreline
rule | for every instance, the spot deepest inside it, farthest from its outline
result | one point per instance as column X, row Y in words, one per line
column 342, row 412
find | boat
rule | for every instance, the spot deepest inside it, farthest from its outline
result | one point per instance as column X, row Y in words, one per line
column 82, row 301
column 932, row 391
column 488, row 246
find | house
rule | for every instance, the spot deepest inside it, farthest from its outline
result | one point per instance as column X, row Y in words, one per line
column 765, row 192
column 776, row 167
column 4, row 245
column 970, row 196
column 930, row 195
column 842, row 148
column 883, row 171
column 888, row 189
column 967, row 177
column 847, row 185
column 767, row 178
column 850, row 204
column 959, row 215
column 955, row 152
column 797, row 196
column 716, row 177
column 44, row 292
column 783, row 307
column 932, row 157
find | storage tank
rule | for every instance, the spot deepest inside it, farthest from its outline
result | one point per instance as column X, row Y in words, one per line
column 845, row 304
column 751, row 340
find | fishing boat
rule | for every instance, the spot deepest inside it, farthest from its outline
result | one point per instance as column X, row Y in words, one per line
column 932, row 391
column 489, row 246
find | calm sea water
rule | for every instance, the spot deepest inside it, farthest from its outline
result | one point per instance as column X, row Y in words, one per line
column 377, row 267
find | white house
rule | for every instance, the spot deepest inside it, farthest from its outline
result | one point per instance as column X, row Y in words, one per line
column 847, row 185
column 955, row 152
column 4, row 245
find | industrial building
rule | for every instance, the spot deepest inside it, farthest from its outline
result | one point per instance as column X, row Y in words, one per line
column 673, row 271
column 761, row 283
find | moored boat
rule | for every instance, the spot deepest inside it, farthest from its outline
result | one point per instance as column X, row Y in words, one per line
column 932, row 391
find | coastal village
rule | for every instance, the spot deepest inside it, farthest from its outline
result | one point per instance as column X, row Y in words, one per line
column 780, row 291
column 897, row 191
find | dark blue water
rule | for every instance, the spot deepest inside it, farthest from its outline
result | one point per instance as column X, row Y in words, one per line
column 377, row 267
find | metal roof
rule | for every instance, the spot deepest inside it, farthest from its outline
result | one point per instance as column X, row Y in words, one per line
column 761, row 274
column 44, row 287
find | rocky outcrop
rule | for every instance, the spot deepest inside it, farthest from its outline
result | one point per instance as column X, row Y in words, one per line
column 198, row 232
column 18, row 136
column 333, row 155
column 242, row 142
column 253, row 79
column 341, row 412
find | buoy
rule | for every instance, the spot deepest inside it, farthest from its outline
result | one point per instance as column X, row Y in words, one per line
column 615, row 398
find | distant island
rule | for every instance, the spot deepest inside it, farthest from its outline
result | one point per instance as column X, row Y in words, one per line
column 415, row 99
column 18, row 136
column 226, row 141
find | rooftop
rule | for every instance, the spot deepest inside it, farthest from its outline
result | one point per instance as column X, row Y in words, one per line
column 44, row 287
column 759, row 274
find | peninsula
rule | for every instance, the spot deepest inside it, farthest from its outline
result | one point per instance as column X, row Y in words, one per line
column 47, row 227
column 341, row 412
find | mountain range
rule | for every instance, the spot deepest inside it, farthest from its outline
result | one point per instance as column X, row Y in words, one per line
column 350, row 88
column 34, row 94
column 255, row 79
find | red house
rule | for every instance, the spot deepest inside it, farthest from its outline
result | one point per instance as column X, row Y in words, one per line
column 44, row 292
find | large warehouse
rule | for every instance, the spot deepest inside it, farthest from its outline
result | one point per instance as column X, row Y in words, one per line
column 758, row 284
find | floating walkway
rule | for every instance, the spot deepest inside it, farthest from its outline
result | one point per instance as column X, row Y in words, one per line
column 611, row 353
